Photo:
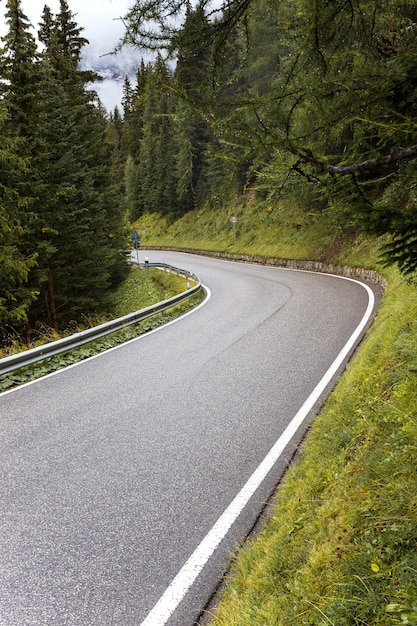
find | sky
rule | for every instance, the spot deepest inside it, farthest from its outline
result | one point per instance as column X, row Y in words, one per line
column 103, row 29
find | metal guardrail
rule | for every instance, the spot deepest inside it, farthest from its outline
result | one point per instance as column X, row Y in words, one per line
column 34, row 355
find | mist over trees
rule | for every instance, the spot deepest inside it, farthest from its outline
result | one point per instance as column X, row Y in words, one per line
column 307, row 100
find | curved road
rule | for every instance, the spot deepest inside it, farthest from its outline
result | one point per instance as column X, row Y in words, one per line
column 130, row 470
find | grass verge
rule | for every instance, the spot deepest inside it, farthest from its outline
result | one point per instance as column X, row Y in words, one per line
column 341, row 547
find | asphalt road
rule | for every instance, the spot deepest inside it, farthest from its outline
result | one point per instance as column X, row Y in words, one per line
column 114, row 472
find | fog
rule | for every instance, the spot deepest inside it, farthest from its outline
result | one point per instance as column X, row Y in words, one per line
column 103, row 27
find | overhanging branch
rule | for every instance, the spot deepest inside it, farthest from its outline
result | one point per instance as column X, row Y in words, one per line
column 356, row 168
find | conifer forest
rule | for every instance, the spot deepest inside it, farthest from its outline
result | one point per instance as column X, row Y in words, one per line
column 309, row 100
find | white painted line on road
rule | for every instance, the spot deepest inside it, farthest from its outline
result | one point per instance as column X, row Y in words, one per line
column 185, row 578
column 120, row 345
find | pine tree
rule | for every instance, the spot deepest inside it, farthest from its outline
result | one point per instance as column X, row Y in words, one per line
column 80, row 238
column 127, row 98
column 134, row 122
column 158, row 149
column 131, row 187
column 132, row 138
column 18, row 187
column 46, row 27
column 18, row 71
column 63, row 233
column 68, row 33
column 15, row 264
column 193, row 132
column 114, row 138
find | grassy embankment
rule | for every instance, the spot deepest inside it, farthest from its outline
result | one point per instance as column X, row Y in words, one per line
column 140, row 290
column 341, row 546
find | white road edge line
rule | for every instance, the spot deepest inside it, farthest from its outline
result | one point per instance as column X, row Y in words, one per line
column 171, row 598
column 120, row 345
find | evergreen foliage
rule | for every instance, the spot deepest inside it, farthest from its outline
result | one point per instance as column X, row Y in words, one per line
column 18, row 71
column 15, row 263
column 157, row 151
column 193, row 131
column 309, row 100
column 18, row 91
column 63, row 222
column 313, row 103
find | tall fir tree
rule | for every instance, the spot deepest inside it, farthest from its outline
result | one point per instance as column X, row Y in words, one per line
column 114, row 137
column 18, row 185
column 132, row 137
column 158, row 148
column 80, row 238
column 131, row 188
column 127, row 97
column 193, row 132
column 63, row 232
column 18, row 71
column 16, row 295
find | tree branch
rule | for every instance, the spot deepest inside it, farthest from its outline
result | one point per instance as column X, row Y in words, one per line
column 355, row 168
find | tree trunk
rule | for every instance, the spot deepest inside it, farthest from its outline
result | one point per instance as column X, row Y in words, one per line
column 50, row 300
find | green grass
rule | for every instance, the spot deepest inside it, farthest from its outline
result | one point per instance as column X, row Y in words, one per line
column 341, row 545
column 262, row 229
column 141, row 289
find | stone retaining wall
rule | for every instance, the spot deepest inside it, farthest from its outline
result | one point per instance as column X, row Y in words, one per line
column 370, row 276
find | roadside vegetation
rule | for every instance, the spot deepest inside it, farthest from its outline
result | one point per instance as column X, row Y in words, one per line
column 270, row 229
column 340, row 547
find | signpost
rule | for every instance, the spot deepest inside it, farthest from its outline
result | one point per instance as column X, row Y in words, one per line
column 136, row 244
column 233, row 221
